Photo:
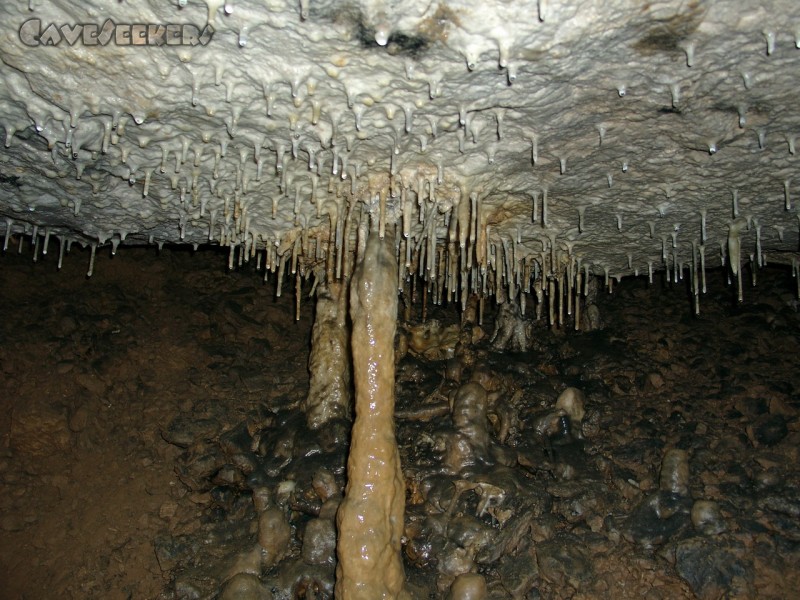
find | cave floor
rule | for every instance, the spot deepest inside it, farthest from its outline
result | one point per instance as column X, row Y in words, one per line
column 145, row 413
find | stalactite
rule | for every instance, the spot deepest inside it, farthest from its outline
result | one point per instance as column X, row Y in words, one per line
column 61, row 246
column 91, row 260
column 578, row 299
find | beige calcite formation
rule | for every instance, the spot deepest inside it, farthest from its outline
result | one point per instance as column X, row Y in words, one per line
column 470, row 586
column 370, row 518
column 329, row 396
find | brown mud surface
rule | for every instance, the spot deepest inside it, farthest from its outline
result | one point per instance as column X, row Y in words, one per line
column 150, row 429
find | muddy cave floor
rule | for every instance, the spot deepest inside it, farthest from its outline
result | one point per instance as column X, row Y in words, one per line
column 151, row 438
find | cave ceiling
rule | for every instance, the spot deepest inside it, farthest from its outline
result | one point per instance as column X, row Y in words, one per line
column 523, row 139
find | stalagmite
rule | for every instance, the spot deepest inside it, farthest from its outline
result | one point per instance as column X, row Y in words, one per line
column 370, row 518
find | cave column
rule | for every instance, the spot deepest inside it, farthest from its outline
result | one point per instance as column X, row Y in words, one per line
column 370, row 518
column 329, row 363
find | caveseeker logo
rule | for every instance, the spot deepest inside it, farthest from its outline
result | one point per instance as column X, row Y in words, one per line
column 33, row 33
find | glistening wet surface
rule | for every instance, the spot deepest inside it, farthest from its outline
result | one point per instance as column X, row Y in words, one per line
column 153, row 445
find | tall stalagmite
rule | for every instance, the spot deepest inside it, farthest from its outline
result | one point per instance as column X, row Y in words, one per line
column 329, row 364
column 370, row 519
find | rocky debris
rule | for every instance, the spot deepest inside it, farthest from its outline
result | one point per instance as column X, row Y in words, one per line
column 245, row 586
column 564, row 562
column 40, row 430
column 717, row 568
column 680, row 481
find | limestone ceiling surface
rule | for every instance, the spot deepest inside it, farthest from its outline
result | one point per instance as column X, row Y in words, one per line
column 502, row 135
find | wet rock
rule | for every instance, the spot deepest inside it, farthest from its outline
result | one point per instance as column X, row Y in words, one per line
column 707, row 518
column 262, row 498
column 564, row 561
column 658, row 518
column 573, row 402
column 453, row 369
column 466, row 537
column 715, row 568
column 782, row 504
column 284, row 492
column 297, row 579
column 274, row 535
column 674, row 477
column 229, row 476
column 591, row 319
column 319, row 542
column 591, row 502
column 324, row 484
column 550, row 426
column 236, row 441
column 188, row 588
column 244, row 586
column 489, row 379
column 544, row 528
column 511, row 328
column 432, row 340
column 767, row 479
column 184, row 430
column 469, row 417
column 768, row 430
column 418, row 548
column 249, row 562
column 591, row 425
column 223, row 497
column 469, row 586
column 335, row 436
column 170, row 550
column 246, row 463
column 518, row 572
column 199, row 466
column 329, row 395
